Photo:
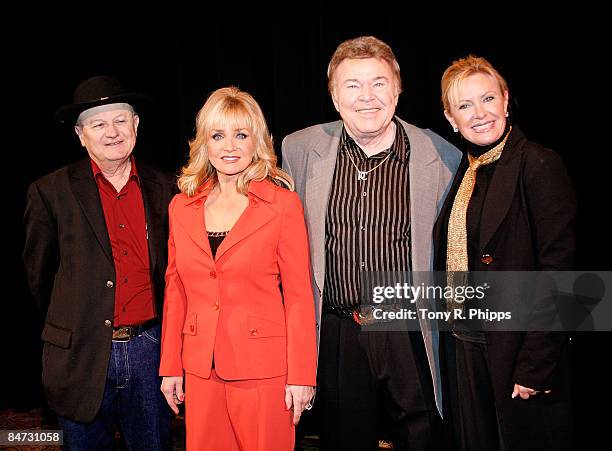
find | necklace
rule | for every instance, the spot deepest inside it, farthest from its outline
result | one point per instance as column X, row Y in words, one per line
column 217, row 234
column 363, row 175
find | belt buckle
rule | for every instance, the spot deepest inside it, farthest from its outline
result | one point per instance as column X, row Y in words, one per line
column 124, row 333
column 364, row 316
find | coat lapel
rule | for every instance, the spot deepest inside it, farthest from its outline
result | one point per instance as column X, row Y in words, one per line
column 257, row 214
column 320, row 174
column 502, row 189
column 191, row 219
column 424, row 176
column 152, row 199
column 87, row 195
column 424, row 167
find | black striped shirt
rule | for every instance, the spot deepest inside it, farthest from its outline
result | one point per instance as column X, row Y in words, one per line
column 367, row 226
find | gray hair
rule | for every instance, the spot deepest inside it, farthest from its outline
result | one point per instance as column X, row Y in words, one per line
column 102, row 108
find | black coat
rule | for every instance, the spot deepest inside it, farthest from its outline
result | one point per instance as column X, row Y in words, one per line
column 71, row 274
column 526, row 225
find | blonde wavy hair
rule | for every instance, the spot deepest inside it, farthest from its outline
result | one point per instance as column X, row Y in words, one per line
column 461, row 69
column 231, row 108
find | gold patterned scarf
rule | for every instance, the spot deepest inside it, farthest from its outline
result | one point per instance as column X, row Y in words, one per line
column 457, row 253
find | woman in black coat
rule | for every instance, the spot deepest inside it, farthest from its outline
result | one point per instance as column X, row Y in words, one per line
column 512, row 210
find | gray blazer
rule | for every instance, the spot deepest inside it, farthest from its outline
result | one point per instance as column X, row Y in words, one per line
column 309, row 156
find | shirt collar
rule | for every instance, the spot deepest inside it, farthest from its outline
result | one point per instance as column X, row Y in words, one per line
column 399, row 147
column 262, row 189
column 97, row 172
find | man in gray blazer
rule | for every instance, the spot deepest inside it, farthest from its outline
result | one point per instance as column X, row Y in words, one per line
column 372, row 186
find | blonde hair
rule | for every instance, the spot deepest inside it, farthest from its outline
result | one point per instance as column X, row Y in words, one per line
column 461, row 69
column 361, row 48
column 231, row 108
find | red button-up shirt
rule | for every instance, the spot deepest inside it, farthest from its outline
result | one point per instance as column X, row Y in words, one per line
column 127, row 230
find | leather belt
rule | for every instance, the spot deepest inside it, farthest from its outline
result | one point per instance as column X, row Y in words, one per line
column 339, row 310
column 125, row 333
column 362, row 315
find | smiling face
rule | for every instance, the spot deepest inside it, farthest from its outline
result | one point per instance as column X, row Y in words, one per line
column 478, row 109
column 109, row 136
column 365, row 94
column 230, row 149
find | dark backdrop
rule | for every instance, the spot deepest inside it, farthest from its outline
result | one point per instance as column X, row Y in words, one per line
column 551, row 66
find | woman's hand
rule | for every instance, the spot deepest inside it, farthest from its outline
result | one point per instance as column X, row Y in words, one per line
column 525, row 392
column 172, row 388
column 298, row 397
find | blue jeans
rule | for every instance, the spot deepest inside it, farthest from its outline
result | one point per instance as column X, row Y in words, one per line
column 132, row 398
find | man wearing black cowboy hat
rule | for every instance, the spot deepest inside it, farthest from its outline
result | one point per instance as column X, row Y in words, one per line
column 95, row 256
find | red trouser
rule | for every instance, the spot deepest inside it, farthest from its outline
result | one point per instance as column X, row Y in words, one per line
column 247, row 415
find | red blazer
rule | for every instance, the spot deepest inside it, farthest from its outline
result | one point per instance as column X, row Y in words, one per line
column 252, row 305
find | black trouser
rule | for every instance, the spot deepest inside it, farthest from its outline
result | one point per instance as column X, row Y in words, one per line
column 478, row 417
column 361, row 374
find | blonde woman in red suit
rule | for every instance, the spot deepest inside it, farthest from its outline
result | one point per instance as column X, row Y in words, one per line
column 239, row 316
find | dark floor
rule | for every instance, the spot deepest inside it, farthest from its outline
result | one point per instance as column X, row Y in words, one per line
column 39, row 418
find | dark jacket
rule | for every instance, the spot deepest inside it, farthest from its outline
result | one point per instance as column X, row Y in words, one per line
column 526, row 225
column 71, row 274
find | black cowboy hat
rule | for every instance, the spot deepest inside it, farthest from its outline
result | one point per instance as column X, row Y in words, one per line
column 96, row 91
